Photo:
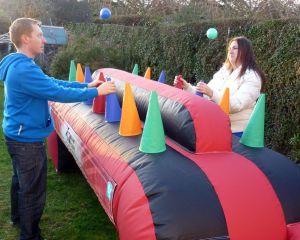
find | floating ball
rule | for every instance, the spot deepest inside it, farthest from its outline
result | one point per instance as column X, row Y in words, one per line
column 105, row 13
column 212, row 33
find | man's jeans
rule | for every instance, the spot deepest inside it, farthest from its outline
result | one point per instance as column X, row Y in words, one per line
column 28, row 189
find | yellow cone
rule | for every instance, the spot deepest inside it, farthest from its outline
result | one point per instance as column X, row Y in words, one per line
column 148, row 73
column 79, row 74
column 130, row 124
column 224, row 103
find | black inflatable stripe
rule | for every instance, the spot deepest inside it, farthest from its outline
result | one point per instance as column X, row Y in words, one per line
column 280, row 171
column 183, row 202
column 175, row 116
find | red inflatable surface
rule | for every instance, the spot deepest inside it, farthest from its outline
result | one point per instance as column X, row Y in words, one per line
column 206, row 187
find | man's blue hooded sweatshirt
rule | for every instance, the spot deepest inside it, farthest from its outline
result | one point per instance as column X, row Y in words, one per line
column 27, row 90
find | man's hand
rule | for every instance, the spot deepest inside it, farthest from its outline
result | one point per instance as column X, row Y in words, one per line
column 106, row 88
column 95, row 83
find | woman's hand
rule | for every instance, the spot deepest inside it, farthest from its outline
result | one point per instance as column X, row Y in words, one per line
column 185, row 84
column 203, row 88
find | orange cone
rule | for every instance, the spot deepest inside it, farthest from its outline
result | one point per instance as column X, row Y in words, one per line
column 130, row 124
column 224, row 103
column 99, row 101
column 148, row 73
column 79, row 74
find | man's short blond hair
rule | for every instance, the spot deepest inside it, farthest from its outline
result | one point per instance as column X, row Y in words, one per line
column 19, row 27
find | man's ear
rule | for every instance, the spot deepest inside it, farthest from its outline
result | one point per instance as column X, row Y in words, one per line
column 24, row 39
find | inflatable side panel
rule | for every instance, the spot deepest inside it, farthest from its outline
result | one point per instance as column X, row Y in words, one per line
column 101, row 164
column 283, row 174
column 173, row 189
column 53, row 149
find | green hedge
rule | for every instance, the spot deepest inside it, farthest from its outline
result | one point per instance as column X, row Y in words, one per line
column 185, row 49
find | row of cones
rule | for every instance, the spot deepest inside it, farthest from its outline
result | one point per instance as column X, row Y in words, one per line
column 162, row 77
column 253, row 135
column 76, row 74
column 153, row 136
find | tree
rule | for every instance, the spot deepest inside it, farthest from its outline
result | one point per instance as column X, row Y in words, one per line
column 62, row 11
column 262, row 8
column 48, row 11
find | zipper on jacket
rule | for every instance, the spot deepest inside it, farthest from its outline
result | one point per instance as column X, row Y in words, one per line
column 20, row 129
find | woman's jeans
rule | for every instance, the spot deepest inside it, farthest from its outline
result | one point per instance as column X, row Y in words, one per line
column 28, row 189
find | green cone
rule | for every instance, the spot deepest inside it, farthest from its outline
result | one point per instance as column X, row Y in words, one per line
column 72, row 72
column 253, row 135
column 153, row 138
column 135, row 70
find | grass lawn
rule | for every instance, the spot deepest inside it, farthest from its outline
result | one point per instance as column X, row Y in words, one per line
column 72, row 209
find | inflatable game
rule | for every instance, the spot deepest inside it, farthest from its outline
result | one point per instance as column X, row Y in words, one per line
column 205, row 185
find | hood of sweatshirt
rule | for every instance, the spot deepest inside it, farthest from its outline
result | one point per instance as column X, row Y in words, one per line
column 9, row 60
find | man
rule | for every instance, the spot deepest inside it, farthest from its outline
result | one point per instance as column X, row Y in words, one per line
column 27, row 121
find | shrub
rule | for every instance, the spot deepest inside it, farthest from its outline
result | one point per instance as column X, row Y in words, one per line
column 295, row 151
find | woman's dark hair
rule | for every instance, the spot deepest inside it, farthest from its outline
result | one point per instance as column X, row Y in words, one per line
column 246, row 58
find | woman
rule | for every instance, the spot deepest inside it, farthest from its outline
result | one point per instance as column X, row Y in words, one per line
column 242, row 76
